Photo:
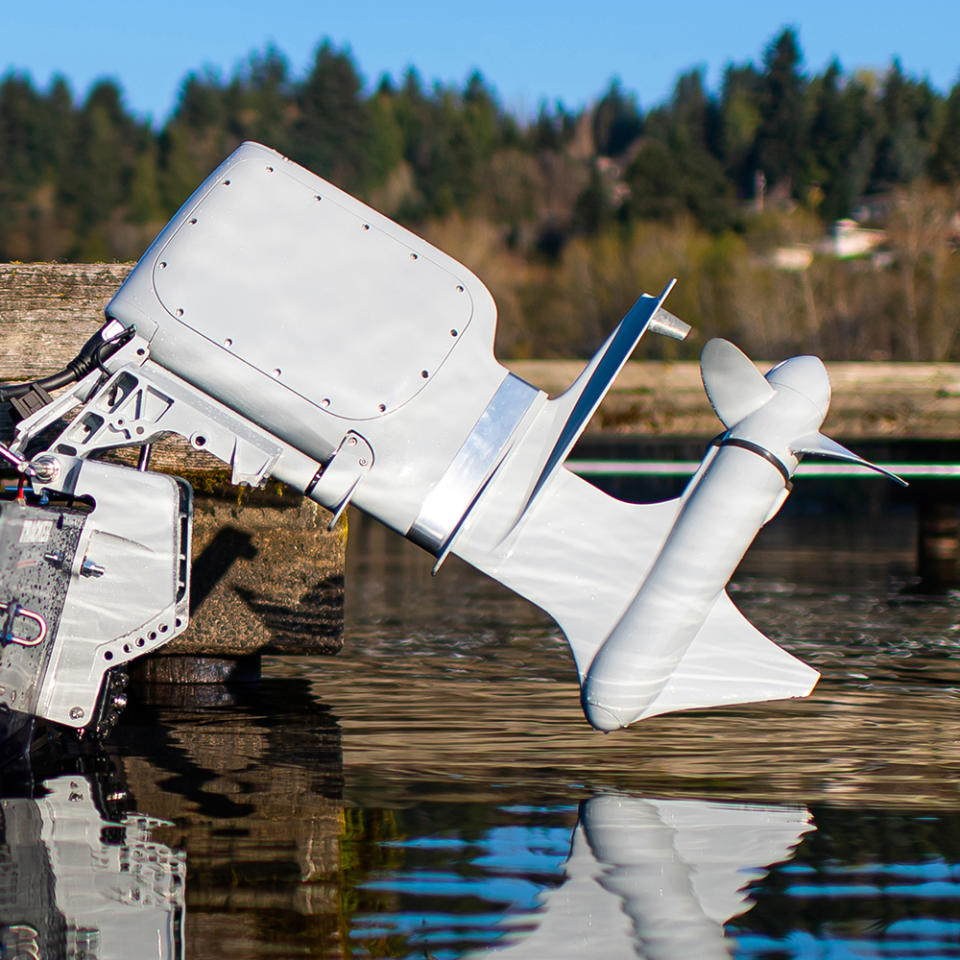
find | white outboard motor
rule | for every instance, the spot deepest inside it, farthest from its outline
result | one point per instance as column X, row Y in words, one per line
column 288, row 329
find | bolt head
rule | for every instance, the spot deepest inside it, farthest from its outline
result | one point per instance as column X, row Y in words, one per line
column 47, row 468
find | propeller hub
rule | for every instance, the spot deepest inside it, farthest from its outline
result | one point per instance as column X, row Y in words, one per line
column 806, row 376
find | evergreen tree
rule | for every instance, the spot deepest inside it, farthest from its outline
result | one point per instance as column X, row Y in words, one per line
column 386, row 133
column 841, row 141
column 694, row 114
column 260, row 98
column 97, row 182
column 552, row 130
column 21, row 132
column 60, row 127
column 332, row 133
column 782, row 132
column 595, row 207
column 616, row 121
column 22, row 135
column 906, row 116
column 146, row 204
column 677, row 168
column 449, row 139
column 88, row 180
column 195, row 139
column 945, row 161
column 739, row 119
column 679, row 176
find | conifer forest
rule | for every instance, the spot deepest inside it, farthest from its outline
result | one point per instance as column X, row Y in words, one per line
column 800, row 212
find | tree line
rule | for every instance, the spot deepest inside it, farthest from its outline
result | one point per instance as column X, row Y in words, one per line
column 566, row 215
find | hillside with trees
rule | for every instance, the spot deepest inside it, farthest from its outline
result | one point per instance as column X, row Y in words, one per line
column 567, row 215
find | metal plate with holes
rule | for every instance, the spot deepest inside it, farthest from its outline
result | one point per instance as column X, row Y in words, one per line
column 138, row 538
column 312, row 291
column 37, row 549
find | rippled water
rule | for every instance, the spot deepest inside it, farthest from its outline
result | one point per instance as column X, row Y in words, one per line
column 434, row 791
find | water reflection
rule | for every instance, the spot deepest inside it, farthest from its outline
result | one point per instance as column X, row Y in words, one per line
column 653, row 878
column 451, row 684
column 80, row 881
column 240, row 786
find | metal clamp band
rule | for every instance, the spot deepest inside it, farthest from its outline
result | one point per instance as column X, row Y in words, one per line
column 453, row 495
column 760, row 452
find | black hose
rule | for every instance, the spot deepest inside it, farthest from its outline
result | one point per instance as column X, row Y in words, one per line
column 91, row 355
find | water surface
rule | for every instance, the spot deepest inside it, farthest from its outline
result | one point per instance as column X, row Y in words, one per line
column 434, row 791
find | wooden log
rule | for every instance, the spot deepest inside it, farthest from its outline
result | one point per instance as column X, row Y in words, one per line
column 48, row 310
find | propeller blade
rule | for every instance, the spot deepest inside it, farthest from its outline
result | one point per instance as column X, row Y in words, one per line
column 736, row 388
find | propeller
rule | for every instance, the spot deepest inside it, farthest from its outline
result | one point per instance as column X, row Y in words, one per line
column 736, row 390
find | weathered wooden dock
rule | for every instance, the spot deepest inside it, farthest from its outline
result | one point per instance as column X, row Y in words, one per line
column 48, row 310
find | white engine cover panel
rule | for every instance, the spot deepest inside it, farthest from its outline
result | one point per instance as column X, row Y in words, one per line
column 302, row 282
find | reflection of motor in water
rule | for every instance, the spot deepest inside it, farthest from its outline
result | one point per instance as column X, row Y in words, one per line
column 655, row 878
column 76, row 884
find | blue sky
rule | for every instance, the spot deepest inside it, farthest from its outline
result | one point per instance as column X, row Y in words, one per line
column 528, row 50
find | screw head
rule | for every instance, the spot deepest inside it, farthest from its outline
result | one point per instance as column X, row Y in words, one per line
column 76, row 713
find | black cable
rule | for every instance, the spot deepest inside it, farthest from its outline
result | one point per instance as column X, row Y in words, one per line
column 92, row 355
